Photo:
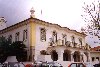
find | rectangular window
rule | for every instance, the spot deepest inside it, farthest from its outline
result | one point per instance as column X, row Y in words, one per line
column 43, row 34
column 64, row 41
column 54, row 36
column 10, row 38
column 80, row 42
column 92, row 58
column 73, row 41
column 97, row 58
column 17, row 36
column 24, row 35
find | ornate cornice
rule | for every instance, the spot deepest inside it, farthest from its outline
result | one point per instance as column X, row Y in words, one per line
column 15, row 26
column 38, row 21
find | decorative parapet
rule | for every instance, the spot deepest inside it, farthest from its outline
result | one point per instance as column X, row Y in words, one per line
column 59, row 42
column 82, row 47
column 75, row 45
column 52, row 43
column 68, row 43
column 87, row 47
column 78, row 46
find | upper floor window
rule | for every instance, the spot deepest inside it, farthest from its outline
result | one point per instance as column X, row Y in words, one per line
column 54, row 36
column 80, row 41
column 17, row 36
column 64, row 36
column 25, row 35
column 43, row 34
column 10, row 38
column 73, row 39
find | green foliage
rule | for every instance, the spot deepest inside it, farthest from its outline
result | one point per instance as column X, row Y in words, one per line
column 16, row 48
column 4, row 49
column 19, row 50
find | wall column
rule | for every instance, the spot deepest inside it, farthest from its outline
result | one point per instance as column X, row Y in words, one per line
column 89, row 57
column 60, row 55
column 32, row 34
column 72, row 58
column 81, row 57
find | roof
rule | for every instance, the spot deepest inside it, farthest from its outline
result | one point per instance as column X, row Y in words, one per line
column 35, row 19
column 95, row 48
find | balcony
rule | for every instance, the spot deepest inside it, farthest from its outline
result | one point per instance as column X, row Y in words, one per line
column 68, row 43
column 58, row 43
column 75, row 45
column 87, row 47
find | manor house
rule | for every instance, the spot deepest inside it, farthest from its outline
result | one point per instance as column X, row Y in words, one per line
column 49, row 42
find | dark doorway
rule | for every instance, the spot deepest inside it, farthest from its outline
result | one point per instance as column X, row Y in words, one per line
column 76, row 56
column 67, row 55
column 54, row 55
column 87, row 56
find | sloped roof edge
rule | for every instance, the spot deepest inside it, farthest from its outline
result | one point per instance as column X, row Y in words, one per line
column 44, row 22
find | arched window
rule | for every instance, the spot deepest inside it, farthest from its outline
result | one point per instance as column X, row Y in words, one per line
column 25, row 35
column 17, row 36
column 73, row 41
column 80, row 42
column 64, row 36
column 43, row 34
column 10, row 38
column 54, row 55
column 76, row 56
column 67, row 55
column 54, row 36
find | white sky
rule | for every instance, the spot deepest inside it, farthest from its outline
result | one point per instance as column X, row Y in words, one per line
column 66, row 13
column 62, row 12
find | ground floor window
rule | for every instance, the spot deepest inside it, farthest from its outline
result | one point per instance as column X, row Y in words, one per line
column 76, row 56
column 67, row 55
column 54, row 55
column 97, row 58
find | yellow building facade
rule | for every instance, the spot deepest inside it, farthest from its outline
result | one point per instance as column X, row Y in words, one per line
column 49, row 42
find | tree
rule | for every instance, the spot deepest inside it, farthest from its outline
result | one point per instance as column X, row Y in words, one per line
column 16, row 48
column 19, row 50
column 4, row 49
column 92, row 17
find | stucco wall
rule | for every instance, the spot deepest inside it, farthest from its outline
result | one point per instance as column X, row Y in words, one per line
column 19, row 29
column 49, row 29
column 95, row 54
